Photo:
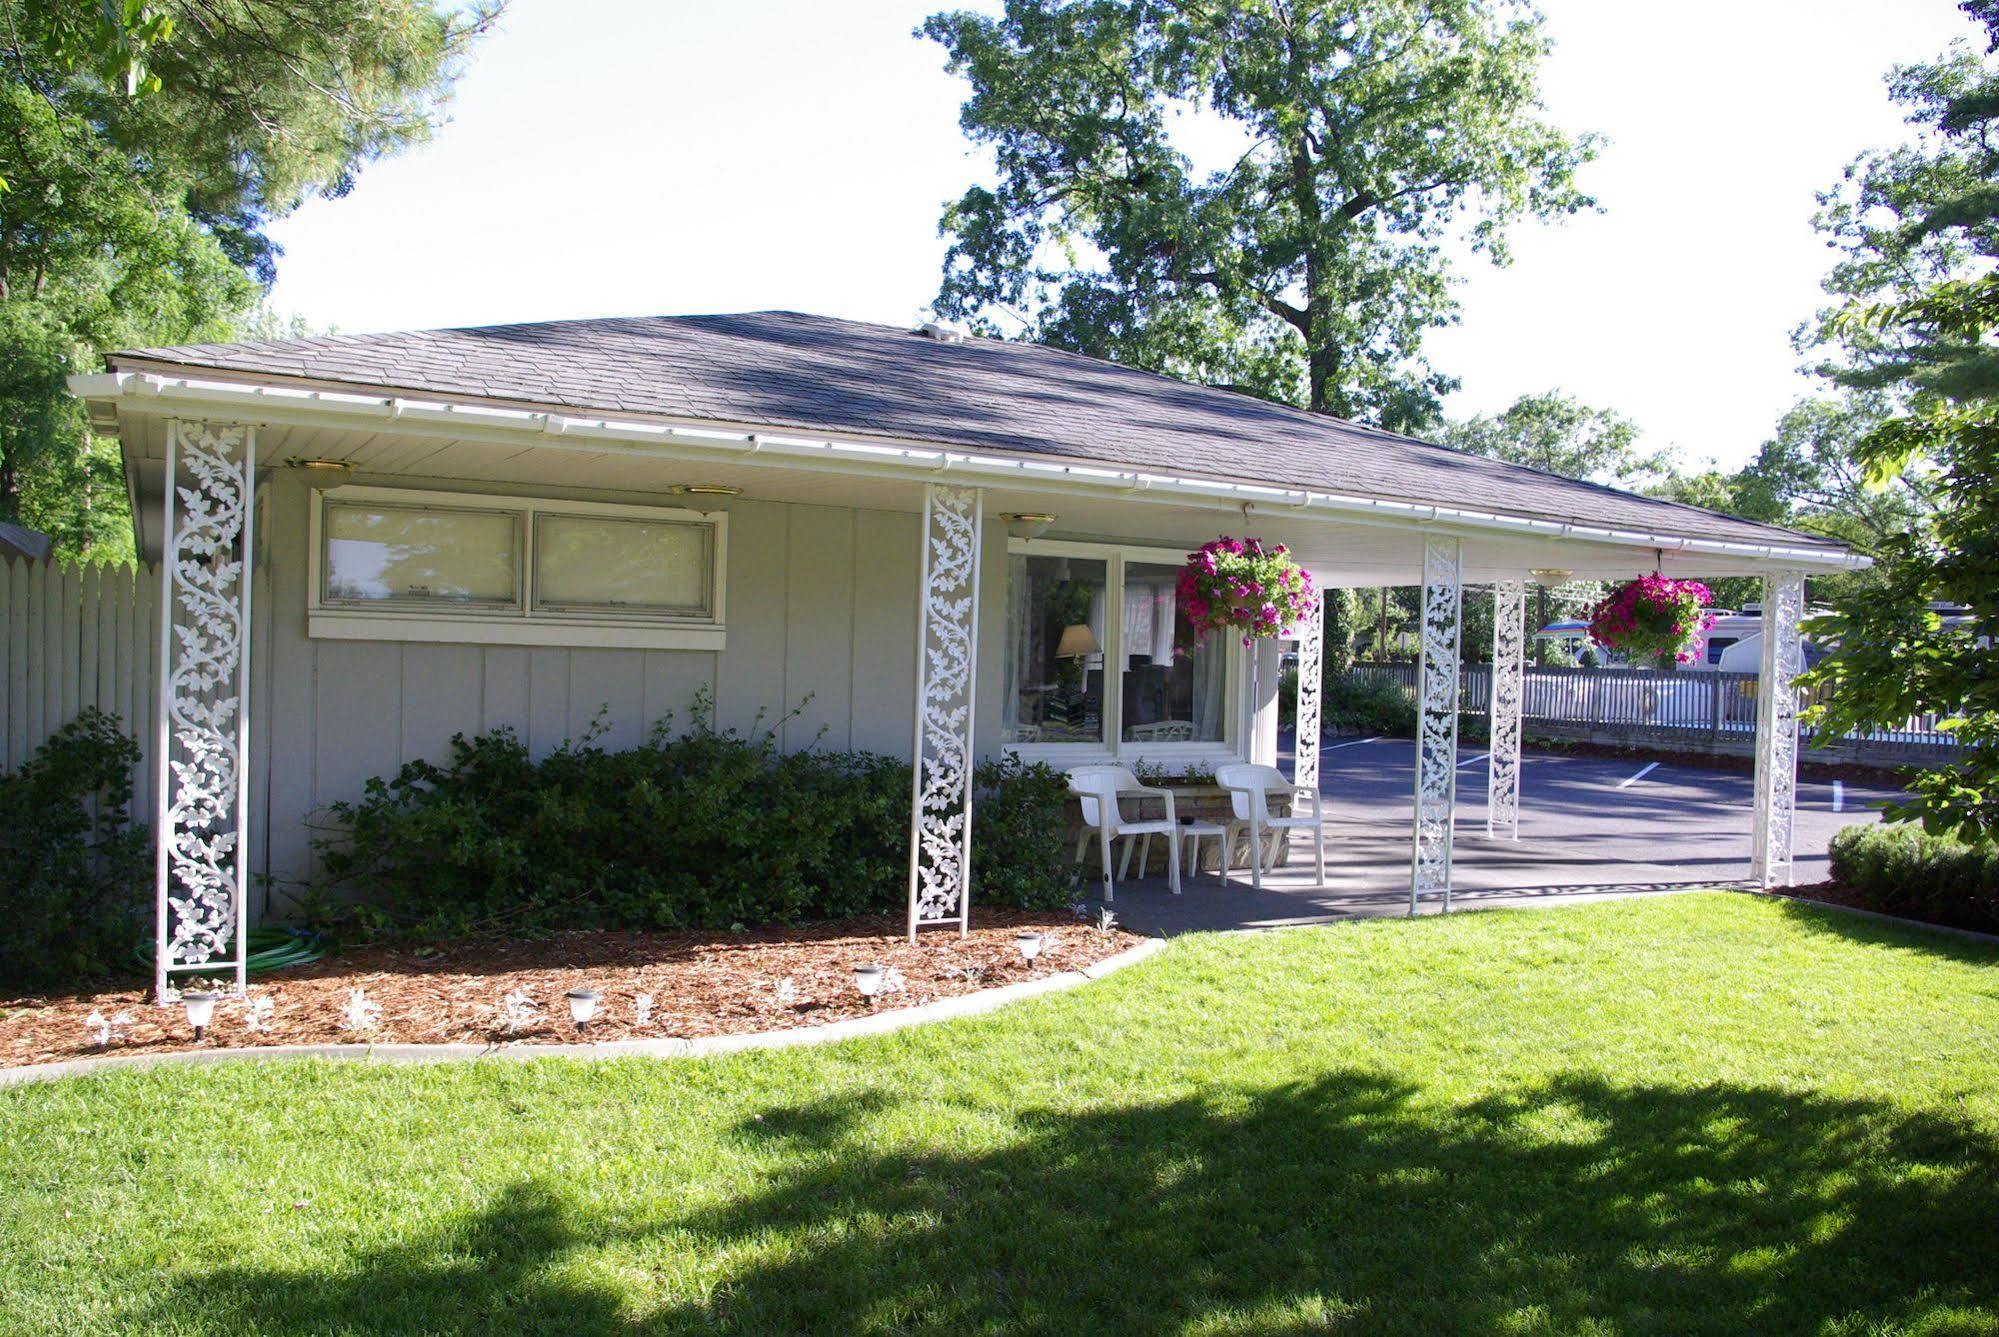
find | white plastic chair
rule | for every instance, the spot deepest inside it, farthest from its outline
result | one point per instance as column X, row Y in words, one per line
column 1098, row 789
column 1250, row 788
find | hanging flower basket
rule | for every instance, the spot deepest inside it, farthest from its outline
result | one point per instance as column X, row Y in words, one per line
column 1239, row 586
column 1653, row 618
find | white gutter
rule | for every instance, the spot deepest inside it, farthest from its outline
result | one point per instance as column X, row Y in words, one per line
column 282, row 404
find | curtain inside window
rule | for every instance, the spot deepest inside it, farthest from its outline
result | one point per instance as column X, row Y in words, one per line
column 1175, row 684
column 1211, row 676
column 1021, row 650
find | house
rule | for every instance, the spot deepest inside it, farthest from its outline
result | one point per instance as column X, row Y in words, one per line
column 941, row 545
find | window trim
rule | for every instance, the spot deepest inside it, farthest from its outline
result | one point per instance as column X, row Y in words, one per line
column 520, row 622
column 1114, row 748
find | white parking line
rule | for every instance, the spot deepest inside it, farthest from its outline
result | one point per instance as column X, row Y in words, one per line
column 1334, row 747
column 1839, row 796
column 1469, row 760
column 1632, row 780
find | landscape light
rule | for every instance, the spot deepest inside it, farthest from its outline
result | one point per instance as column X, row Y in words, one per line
column 200, row 1010
column 868, row 979
column 582, row 1006
column 1030, row 943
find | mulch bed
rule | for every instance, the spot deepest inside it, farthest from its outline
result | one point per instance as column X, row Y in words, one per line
column 1833, row 893
column 701, row 984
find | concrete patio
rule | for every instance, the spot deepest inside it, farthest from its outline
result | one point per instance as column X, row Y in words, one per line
column 1591, row 829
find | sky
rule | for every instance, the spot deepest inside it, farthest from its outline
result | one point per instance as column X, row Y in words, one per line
column 669, row 157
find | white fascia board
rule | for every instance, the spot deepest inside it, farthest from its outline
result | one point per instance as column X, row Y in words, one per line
column 276, row 404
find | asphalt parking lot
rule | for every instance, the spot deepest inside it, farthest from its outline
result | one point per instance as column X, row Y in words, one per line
column 1689, row 819
column 1590, row 828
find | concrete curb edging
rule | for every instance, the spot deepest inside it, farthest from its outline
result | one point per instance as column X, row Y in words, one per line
column 881, row 1023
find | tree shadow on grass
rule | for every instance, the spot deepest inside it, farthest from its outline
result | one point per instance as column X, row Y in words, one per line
column 1348, row 1201
column 488, row 1273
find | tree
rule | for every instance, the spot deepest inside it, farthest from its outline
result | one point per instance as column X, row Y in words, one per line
column 1342, row 615
column 1811, row 475
column 1556, row 434
column 1311, row 268
column 1903, row 221
column 144, row 150
column 1919, row 322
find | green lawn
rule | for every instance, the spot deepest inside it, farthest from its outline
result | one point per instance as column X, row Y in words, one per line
column 1704, row 1113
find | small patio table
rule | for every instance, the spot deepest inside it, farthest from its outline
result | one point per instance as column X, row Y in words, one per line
column 1191, row 832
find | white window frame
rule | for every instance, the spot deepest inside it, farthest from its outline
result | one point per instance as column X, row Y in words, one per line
column 1173, row 756
column 521, row 622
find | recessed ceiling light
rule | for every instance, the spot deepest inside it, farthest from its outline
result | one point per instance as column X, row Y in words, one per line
column 323, row 473
column 1027, row 524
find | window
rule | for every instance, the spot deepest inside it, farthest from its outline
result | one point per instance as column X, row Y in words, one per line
column 391, row 564
column 410, row 555
column 1055, row 649
column 1175, row 683
column 585, row 562
column 1099, row 655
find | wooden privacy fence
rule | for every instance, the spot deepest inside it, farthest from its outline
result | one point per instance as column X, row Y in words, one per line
column 73, row 637
column 1695, row 710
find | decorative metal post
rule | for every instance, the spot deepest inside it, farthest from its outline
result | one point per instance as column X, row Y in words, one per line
column 1777, row 729
column 1509, row 677
column 202, row 852
column 947, row 638
column 1311, row 674
column 1437, row 720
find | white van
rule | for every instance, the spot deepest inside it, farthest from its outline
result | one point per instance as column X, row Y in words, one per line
column 1734, row 644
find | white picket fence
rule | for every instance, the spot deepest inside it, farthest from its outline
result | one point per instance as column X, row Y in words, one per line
column 73, row 637
column 1693, row 710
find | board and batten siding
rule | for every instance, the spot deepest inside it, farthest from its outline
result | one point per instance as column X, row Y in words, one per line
column 73, row 637
column 821, row 619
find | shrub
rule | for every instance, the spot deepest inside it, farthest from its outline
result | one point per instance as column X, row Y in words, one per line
column 1899, row 869
column 1364, row 703
column 1020, row 842
column 705, row 829
column 72, row 872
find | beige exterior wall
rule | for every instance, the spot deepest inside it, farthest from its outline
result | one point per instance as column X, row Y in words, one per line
column 822, row 602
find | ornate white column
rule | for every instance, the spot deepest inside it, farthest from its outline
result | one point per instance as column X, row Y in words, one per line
column 1437, row 720
column 1777, row 729
column 202, row 820
column 947, row 638
column 1311, row 678
column 1509, row 675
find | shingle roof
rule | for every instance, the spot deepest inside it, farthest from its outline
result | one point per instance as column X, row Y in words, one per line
column 786, row 370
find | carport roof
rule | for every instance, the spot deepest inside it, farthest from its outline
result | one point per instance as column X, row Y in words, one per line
column 781, row 369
